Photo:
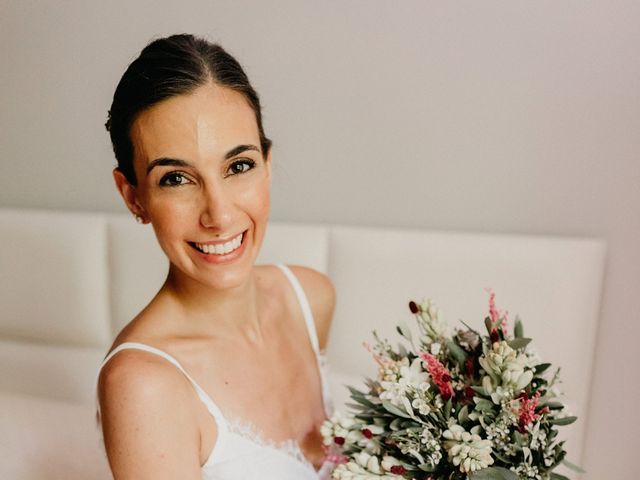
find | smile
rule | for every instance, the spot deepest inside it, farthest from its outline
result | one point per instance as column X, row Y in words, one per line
column 220, row 248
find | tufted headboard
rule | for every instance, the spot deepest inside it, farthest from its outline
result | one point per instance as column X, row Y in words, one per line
column 71, row 280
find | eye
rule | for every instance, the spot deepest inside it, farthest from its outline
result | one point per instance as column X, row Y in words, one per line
column 241, row 166
column 174, row 179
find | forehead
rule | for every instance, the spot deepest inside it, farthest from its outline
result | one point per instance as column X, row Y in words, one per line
column 205, row 123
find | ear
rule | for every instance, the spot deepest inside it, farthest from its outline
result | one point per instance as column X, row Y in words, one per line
column 129, row 194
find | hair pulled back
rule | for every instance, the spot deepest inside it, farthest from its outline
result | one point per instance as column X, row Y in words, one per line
column 168, row 67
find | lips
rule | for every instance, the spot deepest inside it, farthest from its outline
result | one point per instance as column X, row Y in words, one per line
column 219, row 247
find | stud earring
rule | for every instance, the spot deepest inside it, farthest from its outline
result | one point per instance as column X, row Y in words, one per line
column 138, row 218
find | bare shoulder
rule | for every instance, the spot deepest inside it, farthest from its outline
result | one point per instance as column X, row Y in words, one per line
column 149, row 426
column 322, row 298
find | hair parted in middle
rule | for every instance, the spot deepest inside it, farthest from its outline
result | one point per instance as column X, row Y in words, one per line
column 168, row 67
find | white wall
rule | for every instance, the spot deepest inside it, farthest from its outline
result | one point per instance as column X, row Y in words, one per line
column 512, row 116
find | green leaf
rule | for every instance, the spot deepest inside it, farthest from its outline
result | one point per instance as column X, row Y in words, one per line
column 563, row 420
column 447, row 409
column 456, row 352
column 518, row 329
column 488, row 324
column 404, row 330
column 480, row 390
column 519, row 343
column 493, row 473
column 538, row 369
column 484, row 405
column 552, row 405
column 425, row 467
column 519, row 438
column 573, row 466
column 391, row 408
column 557, row 476
column 463, row 414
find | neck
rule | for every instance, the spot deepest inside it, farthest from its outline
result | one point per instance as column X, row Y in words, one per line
column 213, row 311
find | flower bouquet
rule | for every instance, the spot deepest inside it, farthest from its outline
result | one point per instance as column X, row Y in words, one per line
column 452, row 405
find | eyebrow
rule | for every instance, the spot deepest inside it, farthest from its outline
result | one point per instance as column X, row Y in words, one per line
column 239, row 149
column 176, row 162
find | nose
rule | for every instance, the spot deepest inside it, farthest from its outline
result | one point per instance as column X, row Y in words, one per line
column 217, row 212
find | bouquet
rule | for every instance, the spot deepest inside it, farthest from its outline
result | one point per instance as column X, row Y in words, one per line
column 452, row 406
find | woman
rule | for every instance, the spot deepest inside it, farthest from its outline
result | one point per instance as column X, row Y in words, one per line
column 219, row 377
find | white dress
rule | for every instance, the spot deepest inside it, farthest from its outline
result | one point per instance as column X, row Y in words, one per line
column 241, row 451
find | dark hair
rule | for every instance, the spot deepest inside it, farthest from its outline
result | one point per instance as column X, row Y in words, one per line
column 166, row 68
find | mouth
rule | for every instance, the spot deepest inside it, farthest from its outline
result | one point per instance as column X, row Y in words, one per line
column 220, row 248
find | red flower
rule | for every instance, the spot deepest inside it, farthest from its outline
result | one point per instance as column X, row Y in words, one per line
column 339, row 440
column 398, row 470
column 367, row 433
column 440, row 375
column 413, row 307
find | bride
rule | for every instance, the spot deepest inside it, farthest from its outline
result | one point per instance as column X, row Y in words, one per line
column 220, row 376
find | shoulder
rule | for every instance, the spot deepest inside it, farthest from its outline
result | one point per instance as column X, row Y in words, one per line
column 146, row 406
column 321, row 294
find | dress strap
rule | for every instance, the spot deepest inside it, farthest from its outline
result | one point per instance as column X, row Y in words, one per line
column 211, row 406
column 304, row 304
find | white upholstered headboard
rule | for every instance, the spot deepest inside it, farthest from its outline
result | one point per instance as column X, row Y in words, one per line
column 71, row 280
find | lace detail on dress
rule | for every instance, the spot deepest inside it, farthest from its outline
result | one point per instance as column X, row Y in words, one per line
column 251, row 432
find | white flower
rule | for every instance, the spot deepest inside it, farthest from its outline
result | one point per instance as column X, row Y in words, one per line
column 506, row 367
column 412, row 378
column 467, row 450
column 435, row 348
column 430, row 321
column 339, row 425
column 363, row 467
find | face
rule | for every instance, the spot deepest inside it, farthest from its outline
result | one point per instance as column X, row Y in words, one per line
column 203, row 183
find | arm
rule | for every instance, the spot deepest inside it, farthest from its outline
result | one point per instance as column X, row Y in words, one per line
column 322, row 299
column 150, row 430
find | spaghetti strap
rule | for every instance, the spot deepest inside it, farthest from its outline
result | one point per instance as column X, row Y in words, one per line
column 206, row 399
column 304, row 304
column 321, row 358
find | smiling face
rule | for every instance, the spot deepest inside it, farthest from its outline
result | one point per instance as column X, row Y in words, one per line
column 203, row 183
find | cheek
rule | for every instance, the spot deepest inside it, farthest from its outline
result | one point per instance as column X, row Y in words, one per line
column 170, row 217
column 256, row 203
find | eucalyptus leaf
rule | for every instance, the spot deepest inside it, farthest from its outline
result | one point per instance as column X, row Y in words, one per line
column 404, row 330
column 518, row 329
column 484, row 405
column 447, row 409
column 425, row 467
column 391, row 408
column 463, row 415
column 557, row 476
column 396, row 424
column 493, row 473
column 563, row 420
column 458, row 354
column 538, row 369
column 573, row 466
column 519, row 343
column 480, row 390
column 488, row 324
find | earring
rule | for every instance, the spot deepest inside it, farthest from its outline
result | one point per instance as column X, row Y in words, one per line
column 138, row 218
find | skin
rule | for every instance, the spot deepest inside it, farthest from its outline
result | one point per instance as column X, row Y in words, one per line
column 237, row 328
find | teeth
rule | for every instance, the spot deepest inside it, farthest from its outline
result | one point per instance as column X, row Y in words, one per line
column 221, row 249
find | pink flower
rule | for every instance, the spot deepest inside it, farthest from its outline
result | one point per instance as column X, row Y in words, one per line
column 440, row 375
column 335, row 458
column 528, row 410
column 494, row 313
